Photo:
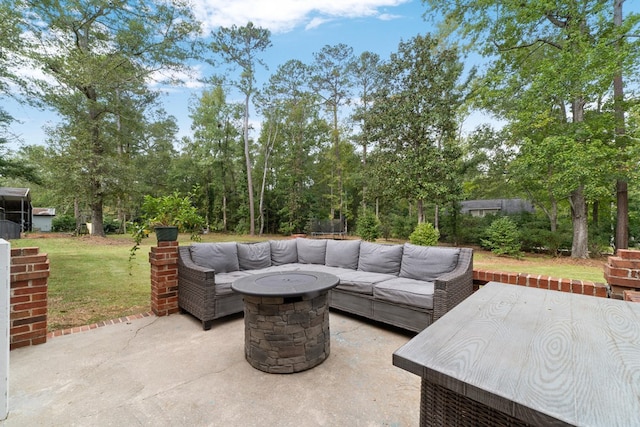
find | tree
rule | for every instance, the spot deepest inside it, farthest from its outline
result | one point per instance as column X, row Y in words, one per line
column 332, row 74
column 367, row 79
column 216, row 125
column 11, row 46
column 98, row 51
column 553, row 61
column 292, row 137
column 240, row 47
column 414, row 121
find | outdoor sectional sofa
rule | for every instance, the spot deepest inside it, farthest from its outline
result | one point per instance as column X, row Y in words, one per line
column 404, row 285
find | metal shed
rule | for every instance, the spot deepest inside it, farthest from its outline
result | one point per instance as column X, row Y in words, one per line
column 42, row 218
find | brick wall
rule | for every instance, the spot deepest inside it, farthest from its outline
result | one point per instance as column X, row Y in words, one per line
column 28, row 299
column 622, row 272
column 164, row 278
column 583, row 287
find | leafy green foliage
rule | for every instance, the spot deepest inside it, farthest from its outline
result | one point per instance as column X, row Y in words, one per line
column 368, row 226
column 425, row 235
column 169, row 210
column 413, row 120
column 503, row 238
column 63, row 223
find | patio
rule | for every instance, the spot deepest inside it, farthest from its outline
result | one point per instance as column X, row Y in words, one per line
column 167, row 371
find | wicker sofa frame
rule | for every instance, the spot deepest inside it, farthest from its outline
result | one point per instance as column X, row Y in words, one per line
column 196, row 295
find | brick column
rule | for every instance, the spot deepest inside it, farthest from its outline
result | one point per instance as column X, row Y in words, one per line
column 164, row 278
column 29, row 285
column 622, row 272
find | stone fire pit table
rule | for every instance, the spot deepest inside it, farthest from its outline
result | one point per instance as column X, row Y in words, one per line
column 286, row 319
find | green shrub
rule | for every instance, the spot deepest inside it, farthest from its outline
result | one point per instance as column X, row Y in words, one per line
column 368, row 226
column 402, row 226
column 111, row 225
column 63, row 223
column 425, row 235
column 503, row 238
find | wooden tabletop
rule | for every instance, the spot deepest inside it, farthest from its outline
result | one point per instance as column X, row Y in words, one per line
column 536, row 354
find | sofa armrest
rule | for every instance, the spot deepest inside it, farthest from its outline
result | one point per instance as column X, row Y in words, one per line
column 191, row 274
column 453, row 287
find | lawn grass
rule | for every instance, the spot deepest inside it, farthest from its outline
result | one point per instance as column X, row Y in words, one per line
column 559, row 267
column 92, row 279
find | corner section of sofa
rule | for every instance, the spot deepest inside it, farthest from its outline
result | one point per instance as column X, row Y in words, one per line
column 196, row 291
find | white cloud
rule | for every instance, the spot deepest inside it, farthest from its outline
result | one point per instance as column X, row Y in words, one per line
column 315, row 23
column 190, row 78
column 286, row 14
column 388, row 17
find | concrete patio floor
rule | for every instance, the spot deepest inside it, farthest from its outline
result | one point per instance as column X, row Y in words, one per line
column 167, row 371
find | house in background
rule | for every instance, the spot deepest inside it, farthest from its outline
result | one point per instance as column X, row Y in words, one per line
column 42, row 218
column 480, row 208
column 15, row 205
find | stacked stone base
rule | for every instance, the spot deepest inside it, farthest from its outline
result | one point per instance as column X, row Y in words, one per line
column 622, row 272
column 286, row 335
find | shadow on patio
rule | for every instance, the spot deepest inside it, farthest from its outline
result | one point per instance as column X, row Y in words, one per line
column 167, row 371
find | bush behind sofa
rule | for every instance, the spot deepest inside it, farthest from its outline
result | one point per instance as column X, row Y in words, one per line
column 405, row 285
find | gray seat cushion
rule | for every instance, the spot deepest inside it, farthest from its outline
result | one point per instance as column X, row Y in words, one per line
column 311, row 251
column 361, row 281
column 283, row 251
column 343, row 253
column 377, row 258
column 427, row 262
column 405, row 291
column 224, row 281
column 252, row 256
column 222, row 257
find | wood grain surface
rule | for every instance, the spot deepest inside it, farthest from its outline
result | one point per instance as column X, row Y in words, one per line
column 545, row 357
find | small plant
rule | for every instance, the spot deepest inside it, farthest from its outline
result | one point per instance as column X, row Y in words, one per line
column 503, row 238
column 172, row 210
column 425, row 235
column 368, row 226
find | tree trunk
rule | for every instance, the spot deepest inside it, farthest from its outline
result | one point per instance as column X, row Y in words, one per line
column 76, row 214
column 224, row 211
column 622, row 223
column 420, row 212
column 579, row 247
column 622, row 197
column 97, row 192
column 247, row 156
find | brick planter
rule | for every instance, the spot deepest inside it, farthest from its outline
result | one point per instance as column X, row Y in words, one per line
column 622, row 272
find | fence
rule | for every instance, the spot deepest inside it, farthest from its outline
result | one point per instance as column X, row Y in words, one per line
column 9, row 230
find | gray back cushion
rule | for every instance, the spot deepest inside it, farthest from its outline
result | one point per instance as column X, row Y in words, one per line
column 427, row 262
column 311, row 251
column 252, row 256
column 222, row 257
column 342, row 253
column 378, row 258
column 283, row 251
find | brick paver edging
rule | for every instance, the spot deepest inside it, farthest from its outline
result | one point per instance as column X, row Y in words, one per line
column 69, row 331
column 583, row 287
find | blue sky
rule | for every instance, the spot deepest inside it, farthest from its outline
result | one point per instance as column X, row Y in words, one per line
column 299, row 28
